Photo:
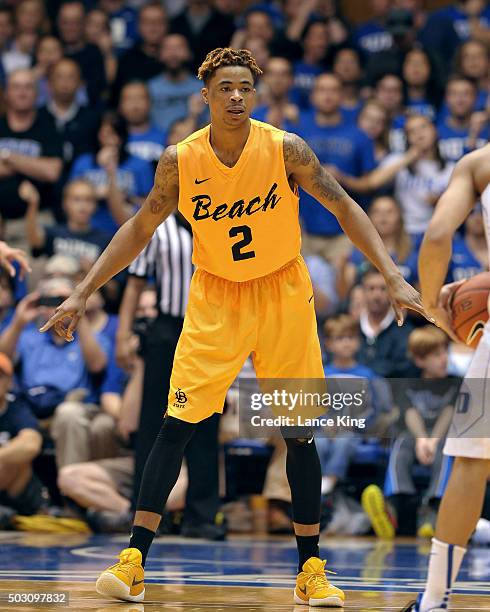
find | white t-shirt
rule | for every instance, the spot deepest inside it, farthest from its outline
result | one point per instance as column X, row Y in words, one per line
column 415, row 190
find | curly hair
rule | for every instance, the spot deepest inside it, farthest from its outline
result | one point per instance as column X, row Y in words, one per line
column 227, row 57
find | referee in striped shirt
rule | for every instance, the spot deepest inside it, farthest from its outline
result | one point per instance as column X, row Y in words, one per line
column 168, row 260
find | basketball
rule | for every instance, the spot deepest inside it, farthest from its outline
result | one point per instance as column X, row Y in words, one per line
column 469, row 308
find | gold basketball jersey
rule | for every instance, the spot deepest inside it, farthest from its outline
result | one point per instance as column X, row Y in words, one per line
column 244, row 219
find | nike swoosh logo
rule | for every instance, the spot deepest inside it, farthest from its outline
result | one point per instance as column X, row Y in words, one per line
column 197, row 182
column 477, row 328
column 136, row 582
column 310, row 299
column 303, row 590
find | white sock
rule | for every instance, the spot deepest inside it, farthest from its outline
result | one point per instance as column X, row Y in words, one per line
column 444, row 563
column 328, row 484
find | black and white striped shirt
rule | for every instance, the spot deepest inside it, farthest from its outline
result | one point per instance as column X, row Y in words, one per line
column 168, row 258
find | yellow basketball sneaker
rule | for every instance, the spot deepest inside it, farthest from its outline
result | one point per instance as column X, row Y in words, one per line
column 313, row 587
column 124, row 580
column 374, row 505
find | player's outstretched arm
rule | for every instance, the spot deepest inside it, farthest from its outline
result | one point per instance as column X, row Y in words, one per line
column 126, row 244
column 452, row 209
column 303, row 167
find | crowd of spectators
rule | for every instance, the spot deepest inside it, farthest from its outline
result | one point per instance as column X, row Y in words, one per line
column 91, row 93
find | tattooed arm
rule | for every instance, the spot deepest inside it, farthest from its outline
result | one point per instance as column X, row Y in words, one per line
column 126, row 244
column 303, row 167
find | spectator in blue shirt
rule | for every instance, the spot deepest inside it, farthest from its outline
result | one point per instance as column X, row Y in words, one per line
column 50, row 371
column 423, row 93
column 372, row 36
column 386, row 215
column 114, row 174
column 469, row 254
column 388, row 91
column 461, row 131
column 347, row 66
column 336, row 143
column 473, row 61
column 144, row 139
column 277, row 81
column 20, row 443
column 374, row 122
column 468, row 18
column 170, row 91
column 316, row 42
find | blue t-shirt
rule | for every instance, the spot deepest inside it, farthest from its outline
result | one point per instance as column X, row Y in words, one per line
column 460, row 20
column 304, row 77
column 453, row 142
column 421, row 107
column 134, row 178
column 463, row 264
column 169, row 99
column 480, row 105
column 147, row 145
column 16, row 416
column 371, row 37
column 46, row 364
column 124, row 28
column 344, row 146
column 351, row 114
column 357, row 371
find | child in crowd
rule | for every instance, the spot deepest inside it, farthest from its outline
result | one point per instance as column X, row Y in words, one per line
column 342, row 339
column 426, row 406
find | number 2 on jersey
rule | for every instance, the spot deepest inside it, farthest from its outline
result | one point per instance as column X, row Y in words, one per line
column 236, row 249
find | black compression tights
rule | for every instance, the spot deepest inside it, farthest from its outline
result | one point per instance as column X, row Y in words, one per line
column 305, row 480
column 163, row 464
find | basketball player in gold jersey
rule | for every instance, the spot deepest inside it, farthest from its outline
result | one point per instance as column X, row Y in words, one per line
column 236, row 182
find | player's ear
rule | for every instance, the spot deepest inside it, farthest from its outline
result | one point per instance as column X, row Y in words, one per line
column 204, row 94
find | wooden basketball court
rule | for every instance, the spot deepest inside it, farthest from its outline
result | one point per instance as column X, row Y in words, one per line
column 241, row 574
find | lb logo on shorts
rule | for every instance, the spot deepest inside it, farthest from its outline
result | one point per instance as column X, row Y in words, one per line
column 181, row 398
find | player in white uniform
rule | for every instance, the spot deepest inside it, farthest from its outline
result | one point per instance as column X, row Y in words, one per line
column 469, row 437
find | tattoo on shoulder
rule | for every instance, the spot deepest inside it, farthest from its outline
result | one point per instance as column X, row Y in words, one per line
column 166, row 179
column 296, row 151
